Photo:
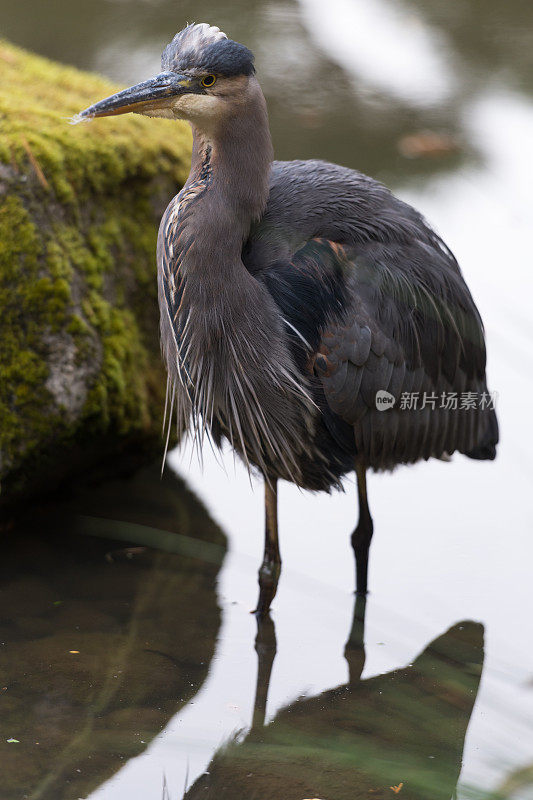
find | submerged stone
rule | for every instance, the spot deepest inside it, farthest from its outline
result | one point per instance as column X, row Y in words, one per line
column 105, row 634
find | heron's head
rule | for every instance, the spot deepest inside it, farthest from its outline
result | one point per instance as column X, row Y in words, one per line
column 205, row 78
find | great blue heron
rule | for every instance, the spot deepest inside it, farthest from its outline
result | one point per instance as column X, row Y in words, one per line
column 299, row 299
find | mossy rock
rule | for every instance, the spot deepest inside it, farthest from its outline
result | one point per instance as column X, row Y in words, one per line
column 80, row 371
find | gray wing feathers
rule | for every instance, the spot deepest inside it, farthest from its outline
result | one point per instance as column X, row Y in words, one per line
column 373, row 350
column 409, row 324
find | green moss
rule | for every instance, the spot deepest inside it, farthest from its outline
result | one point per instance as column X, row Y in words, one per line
column 38, row 97
column 79, row 211
column 30, row 302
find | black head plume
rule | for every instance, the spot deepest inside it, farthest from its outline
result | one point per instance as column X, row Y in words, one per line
column 205, row 48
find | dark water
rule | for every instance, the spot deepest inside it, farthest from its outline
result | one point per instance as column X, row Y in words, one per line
column 102, row 640
column 169, row 695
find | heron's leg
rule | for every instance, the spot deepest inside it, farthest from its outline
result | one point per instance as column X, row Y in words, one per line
column 362, row 535
column 354, row 652
column 271, row 566
column 265, row 647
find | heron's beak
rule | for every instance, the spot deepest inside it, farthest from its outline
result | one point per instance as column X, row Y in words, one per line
column 149, row 95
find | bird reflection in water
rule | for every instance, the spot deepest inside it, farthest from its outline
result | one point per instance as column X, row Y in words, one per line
column 400, row 732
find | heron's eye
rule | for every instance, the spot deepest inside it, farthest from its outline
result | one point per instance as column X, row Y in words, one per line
column 208, row 81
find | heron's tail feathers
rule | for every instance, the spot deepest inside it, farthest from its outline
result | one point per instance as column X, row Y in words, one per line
column 485, row 450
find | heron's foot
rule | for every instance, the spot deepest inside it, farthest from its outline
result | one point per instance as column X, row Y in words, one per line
column 269, row 573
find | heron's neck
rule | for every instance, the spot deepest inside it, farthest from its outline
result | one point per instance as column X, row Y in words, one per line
column 232, row 166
